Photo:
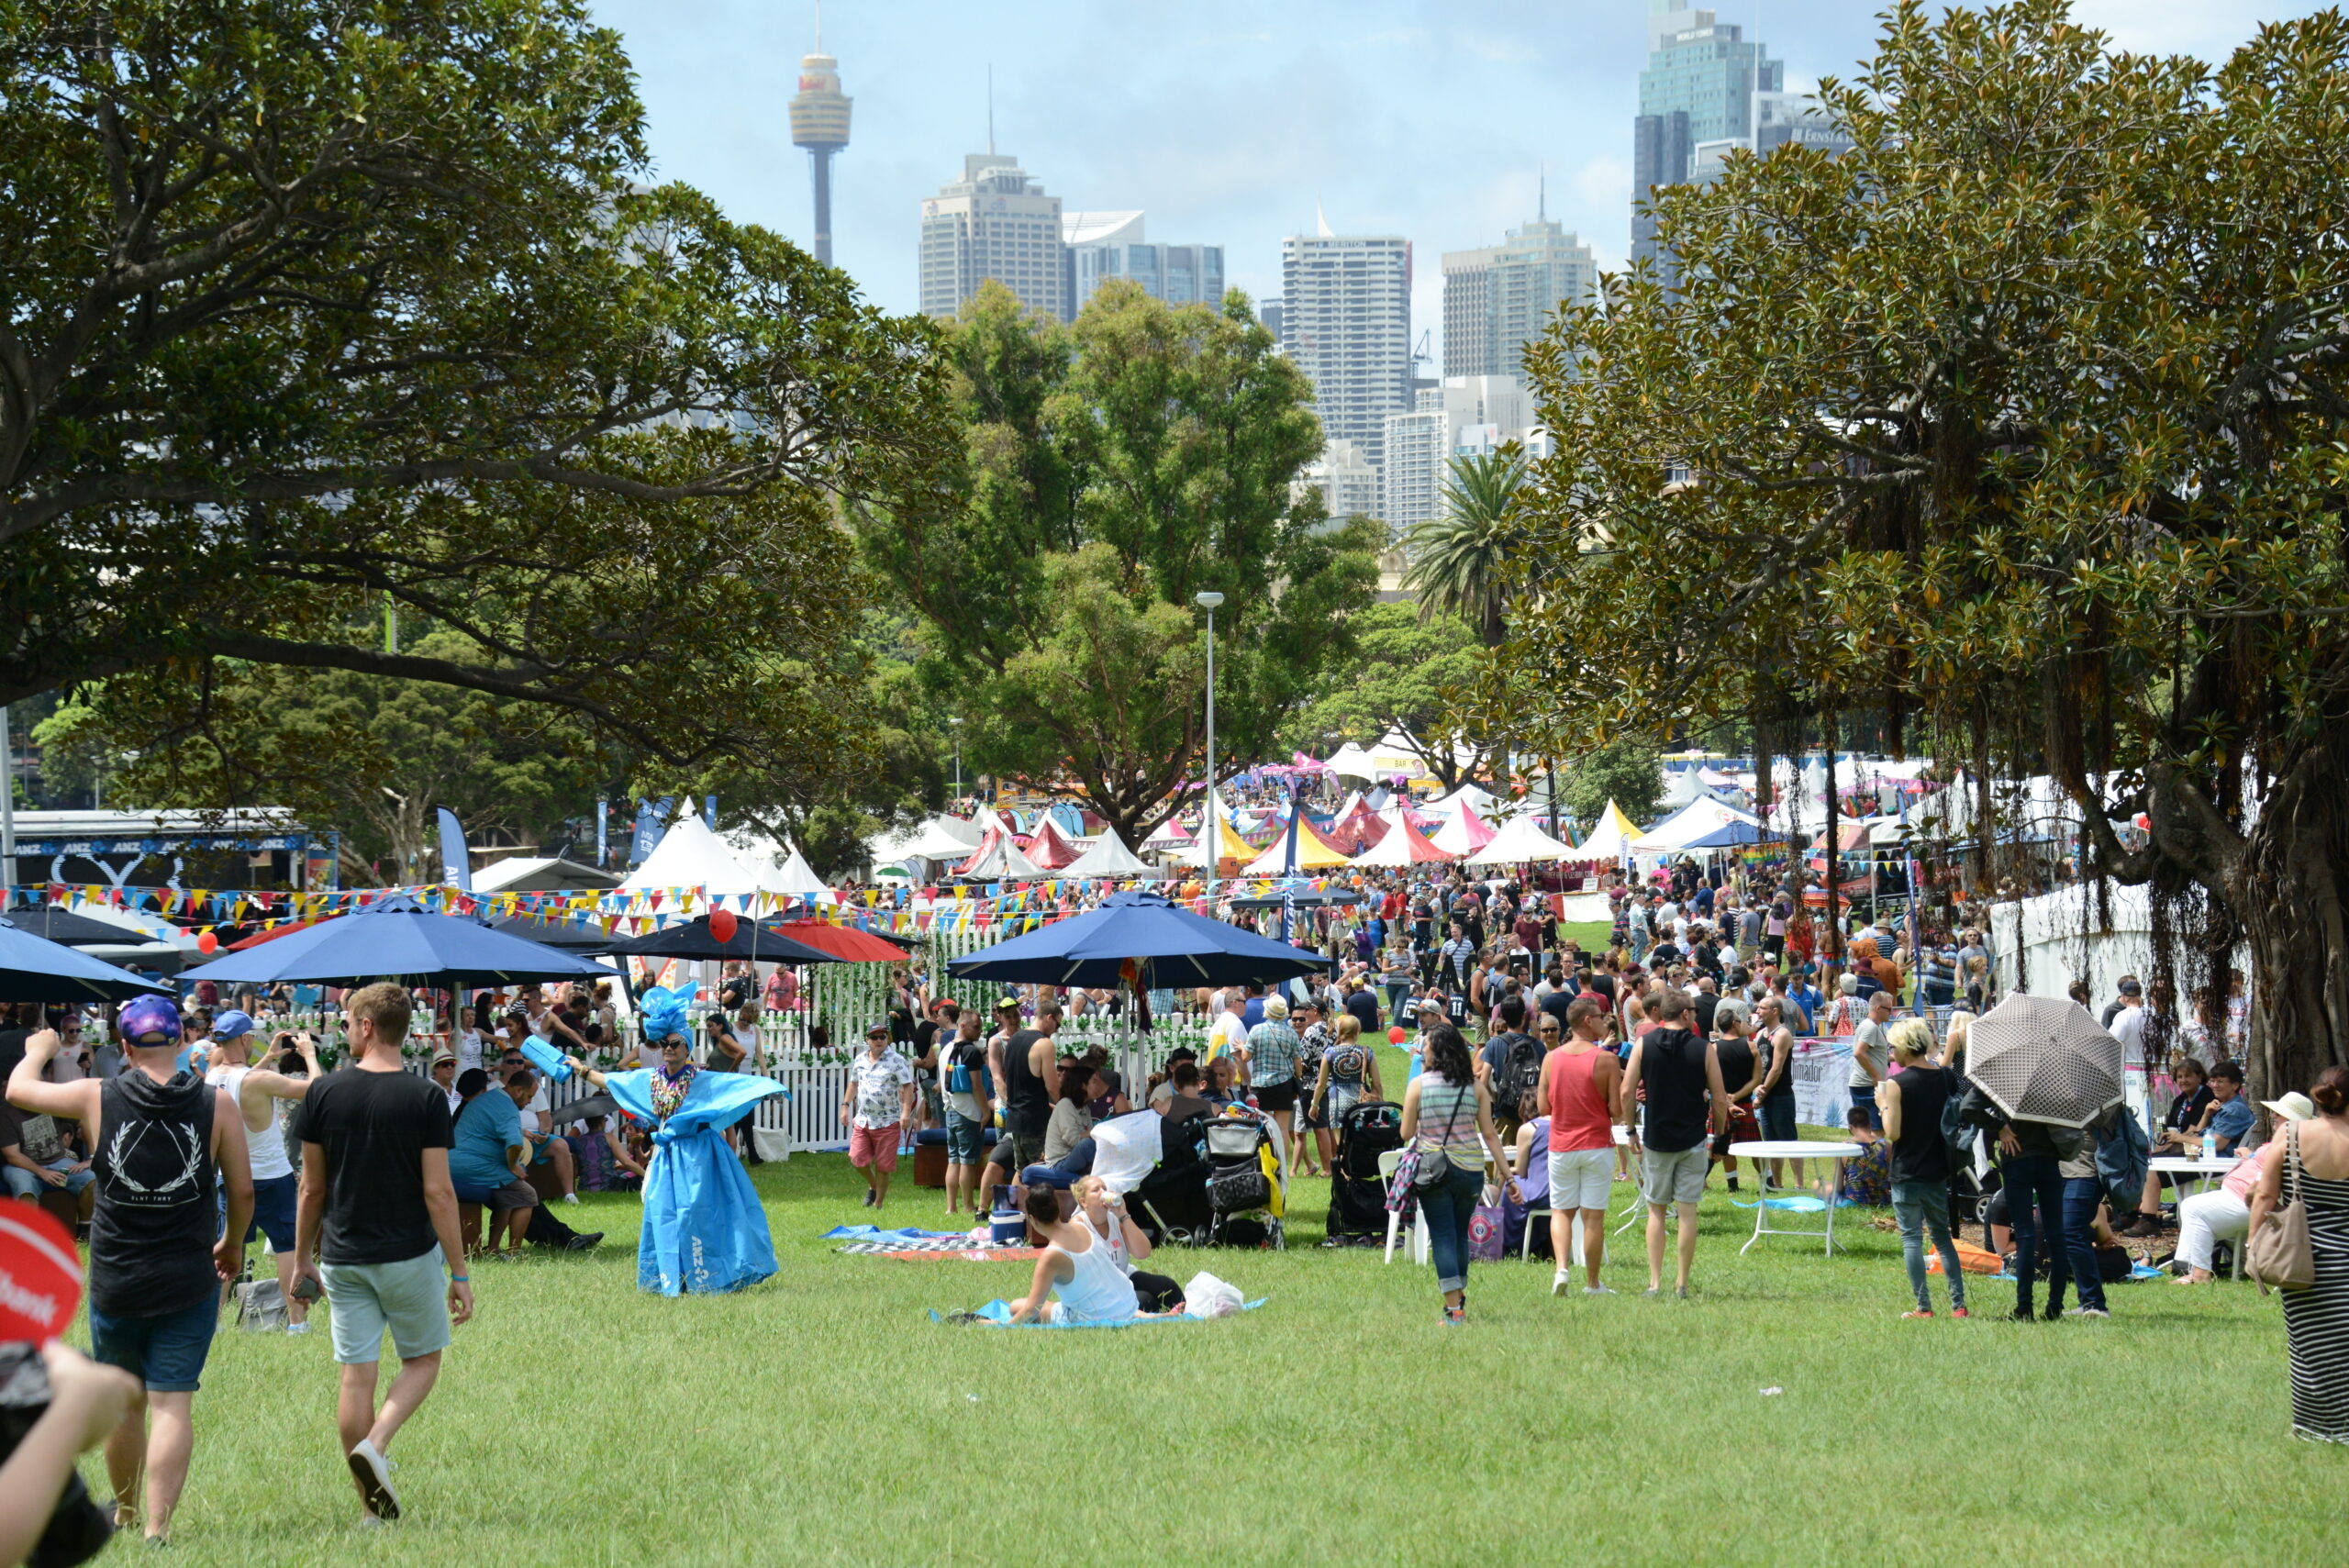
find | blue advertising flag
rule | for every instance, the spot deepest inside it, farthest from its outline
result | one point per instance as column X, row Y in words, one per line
column 456, row 866
column 650, row 816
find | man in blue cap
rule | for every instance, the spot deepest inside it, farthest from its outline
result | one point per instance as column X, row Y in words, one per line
column 255, row 1091
column 157, row 1252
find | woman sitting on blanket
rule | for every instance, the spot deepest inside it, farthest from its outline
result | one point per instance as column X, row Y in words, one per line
column 1103, row 1212
column 1077, row 1266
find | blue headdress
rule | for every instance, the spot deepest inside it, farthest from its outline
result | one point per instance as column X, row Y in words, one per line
column 664, row 1011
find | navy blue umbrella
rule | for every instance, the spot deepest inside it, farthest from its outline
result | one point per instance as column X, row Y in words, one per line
column 33, row 969
column 1172, row 946
column 397, row 939
column 693, row 938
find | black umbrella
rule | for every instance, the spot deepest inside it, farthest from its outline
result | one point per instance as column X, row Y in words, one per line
column 64, row 927
column 692, row 939
column 557, row 934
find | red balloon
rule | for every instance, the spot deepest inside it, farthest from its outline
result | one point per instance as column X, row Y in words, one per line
column 208, row 941
column 722, row 924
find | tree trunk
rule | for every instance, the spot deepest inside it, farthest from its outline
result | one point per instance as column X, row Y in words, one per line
column 2290, row 890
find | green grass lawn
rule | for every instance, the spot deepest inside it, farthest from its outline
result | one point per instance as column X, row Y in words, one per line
column 823, row 1418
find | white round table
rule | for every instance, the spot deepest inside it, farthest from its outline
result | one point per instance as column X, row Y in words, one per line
column 1761, row 1152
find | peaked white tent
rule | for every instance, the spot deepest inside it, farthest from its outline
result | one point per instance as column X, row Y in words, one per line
column 940, row 838
column 1610, row 838
column 1694, row 820
column 1521, row 838
column 540, row 874
column 780, row 869
column 999, row 858
column 1166, row 835
column 1107, row 856
column 690, row 855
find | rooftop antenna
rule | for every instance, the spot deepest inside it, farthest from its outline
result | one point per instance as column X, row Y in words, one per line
column 990, row 111
column 819, row 26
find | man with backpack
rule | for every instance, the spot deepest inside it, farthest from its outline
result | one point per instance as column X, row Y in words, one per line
column 1511, row 1065
column 1685, row 1101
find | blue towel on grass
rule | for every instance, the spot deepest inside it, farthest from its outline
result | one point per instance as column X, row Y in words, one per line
column 874, row 1233
column 998, row 1316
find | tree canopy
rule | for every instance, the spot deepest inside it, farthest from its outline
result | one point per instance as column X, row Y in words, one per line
column 1405, row 667
column 2021, row 422
column 315, row 308
column 1109, row 471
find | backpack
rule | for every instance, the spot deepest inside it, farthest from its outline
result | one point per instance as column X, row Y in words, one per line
column 1518, row 1076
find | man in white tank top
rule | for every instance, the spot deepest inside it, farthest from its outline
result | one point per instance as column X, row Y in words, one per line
column 255, row 1091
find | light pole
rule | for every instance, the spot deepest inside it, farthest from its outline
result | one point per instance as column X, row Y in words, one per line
column 1208, row 600
column 957, row 725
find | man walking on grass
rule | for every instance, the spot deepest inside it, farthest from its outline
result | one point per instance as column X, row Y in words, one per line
column 1580, row 1079
column 377, row 1225
column 158, row 1251
column 1686, row 1103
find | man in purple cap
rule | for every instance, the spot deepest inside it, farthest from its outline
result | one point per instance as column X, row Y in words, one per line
column 158, row 1251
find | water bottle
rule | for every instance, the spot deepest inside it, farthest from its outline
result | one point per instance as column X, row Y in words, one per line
column 2209, row 1144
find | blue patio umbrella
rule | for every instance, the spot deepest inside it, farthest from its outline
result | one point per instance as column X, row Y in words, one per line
column 33, row 969
column 1172, row 947
column 397, row 939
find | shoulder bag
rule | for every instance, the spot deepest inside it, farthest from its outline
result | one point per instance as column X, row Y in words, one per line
column 2279, row 1255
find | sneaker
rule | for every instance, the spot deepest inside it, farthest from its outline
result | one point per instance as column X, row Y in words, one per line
column 1455, row 1316
column 571, row 1197
column 1597, row 1290
column 1959, row 1312
column 2052, row 1313
column 2090, row 1312
column 374, row 1474
column 1680, row 1292
column 1652, row 1293
column 2023, row 1315
column 585, row 1242
column 1558, row 1282
column 1919, row 1312
column 301, row 1328
column 869, row 1195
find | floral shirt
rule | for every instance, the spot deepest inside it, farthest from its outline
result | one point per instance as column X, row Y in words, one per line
column 878, row 1079
column 1867, row 1177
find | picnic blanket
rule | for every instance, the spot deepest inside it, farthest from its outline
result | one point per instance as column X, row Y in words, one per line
column 998, row 1315
column 910, row 1245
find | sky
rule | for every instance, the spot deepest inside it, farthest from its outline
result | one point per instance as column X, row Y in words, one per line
column 1227, row 120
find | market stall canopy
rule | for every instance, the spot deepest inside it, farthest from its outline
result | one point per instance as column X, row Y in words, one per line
column 999, row 858
column 536, row 873
column 940, row 838
column 1299, row 846
column 1227, row 843
column 1170, row 946
column 66, row 928
column 1728, row 836
column 1051, row 849
column 1107, row 856
column 1521, row 838
column 1402, row 845
column 34, row 968
column 690, row 855
column 1166, row 835
column 1464, row 832
column 781, row 870
column 1692, row 821
column 844, row 942
column 1611, row 839
column 397, row 938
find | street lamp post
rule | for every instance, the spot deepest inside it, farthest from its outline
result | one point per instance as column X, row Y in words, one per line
column 957, row 725
column 1208, row 601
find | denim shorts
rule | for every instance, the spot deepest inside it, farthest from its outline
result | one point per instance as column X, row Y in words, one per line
column 964, row 1139
column 24, row 1184
column 408, row 1297
column 166, row 1353
column 1777, row 1116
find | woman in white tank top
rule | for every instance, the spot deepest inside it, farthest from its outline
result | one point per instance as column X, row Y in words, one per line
column 1075, row 1265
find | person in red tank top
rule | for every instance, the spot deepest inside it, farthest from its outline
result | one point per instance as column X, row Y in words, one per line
column 1581, row 1083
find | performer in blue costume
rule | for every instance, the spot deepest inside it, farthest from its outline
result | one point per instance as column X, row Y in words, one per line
column 704, row 1231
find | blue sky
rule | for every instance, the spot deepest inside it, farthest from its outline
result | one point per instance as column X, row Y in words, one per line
column 1224, row 120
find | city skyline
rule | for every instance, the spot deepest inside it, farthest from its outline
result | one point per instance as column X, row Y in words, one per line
column 1432, row 121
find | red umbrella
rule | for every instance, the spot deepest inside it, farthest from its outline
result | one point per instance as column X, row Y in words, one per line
column 844, row 942
column 272, row 933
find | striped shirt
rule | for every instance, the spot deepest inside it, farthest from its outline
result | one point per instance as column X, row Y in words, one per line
column 1444, row 1105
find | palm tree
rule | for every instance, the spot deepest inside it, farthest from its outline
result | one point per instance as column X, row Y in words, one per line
column 1456, row 558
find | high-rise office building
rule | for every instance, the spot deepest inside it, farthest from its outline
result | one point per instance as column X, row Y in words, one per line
column 1498, row 298
column 820, row 114
column 1346, row 320
column 1105, row 245
column 1419, row 450
column 995, row 222
column 1699, row 87
column 1348, row 481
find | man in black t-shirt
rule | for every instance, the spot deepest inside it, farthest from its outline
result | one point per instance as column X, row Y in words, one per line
column 376, row 1225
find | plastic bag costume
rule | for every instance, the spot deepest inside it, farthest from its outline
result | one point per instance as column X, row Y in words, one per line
column 704, row 1231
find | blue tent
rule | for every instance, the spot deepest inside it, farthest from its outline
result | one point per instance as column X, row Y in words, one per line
column 33, row 969
column 397, row 939
column 1728, row 836
column 1174, row 947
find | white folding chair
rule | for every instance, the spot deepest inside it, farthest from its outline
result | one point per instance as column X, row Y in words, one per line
column 1387, row 1166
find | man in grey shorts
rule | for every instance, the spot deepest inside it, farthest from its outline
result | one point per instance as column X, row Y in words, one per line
column 376, row 1226
column 1685, row 1106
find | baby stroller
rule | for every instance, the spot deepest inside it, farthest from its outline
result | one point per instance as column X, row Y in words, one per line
column 1172, row 1202
column 1246, row 1187
column 1357, row 1192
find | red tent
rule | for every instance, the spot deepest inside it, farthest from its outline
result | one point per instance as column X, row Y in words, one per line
column 1050, row 848
column 842, row 942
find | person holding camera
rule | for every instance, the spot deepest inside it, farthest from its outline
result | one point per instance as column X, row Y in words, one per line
column 256, row 1092
column 158, row 1251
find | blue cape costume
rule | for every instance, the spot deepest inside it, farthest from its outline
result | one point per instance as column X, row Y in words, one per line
column 704, row 1231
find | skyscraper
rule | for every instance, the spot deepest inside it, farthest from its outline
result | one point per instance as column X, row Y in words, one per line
column 819, row 113
column 1105, row 245
column 1699, row 87
column 1346, row 321
column 1498, row 298
column 995, row 222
